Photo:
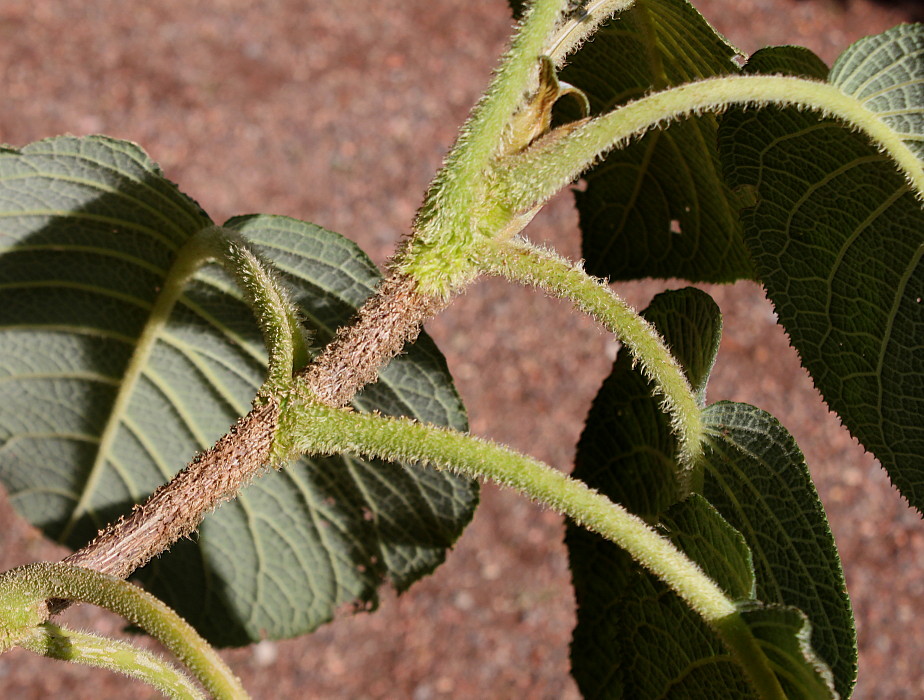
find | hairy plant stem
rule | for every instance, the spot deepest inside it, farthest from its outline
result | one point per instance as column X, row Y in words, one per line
column 56, row 642
column 551, row 163
column 460, row 206
column 320, row 429
column 522, row 262
column 389, row 320
column 28, row 586
column 177, row 508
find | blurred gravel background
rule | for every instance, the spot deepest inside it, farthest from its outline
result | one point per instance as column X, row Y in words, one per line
column 339, row 113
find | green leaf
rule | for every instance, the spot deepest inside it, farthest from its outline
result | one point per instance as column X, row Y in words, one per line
column 89, row 230
column 761, row 505
column 837, row 236
column 886, row 73
column 698, row 529
column 634, row 638
column 783, row 634
column 786, row 60
column 645, row 643
column 757, row 479
column 659, row 208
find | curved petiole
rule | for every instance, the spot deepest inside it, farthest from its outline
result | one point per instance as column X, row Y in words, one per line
column 313, row 428
column 522, row 262
column 24, row 590
column 276, row 314
column 88, row 649
column 531, row 177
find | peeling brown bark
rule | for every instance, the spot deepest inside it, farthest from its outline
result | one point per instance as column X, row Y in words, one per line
column 383, row 326
column 392, row 317
column 177, row 508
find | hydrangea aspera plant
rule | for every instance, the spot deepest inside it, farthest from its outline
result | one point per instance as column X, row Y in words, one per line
column 700, row 553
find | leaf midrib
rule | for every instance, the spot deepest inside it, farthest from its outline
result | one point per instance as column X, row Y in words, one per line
column 160, row 314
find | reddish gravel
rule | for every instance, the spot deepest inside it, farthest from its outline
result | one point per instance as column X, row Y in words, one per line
column 339, row 113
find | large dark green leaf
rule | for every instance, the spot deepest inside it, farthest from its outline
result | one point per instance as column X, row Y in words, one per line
column 89, row 229
column 757, row 479
column 636, row 639
column 659, row 208
column 837, row 235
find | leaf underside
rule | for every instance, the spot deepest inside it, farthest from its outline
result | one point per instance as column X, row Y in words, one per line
column 783, row 634
column 660, row 207
column 634, row 637
column 89, row 230
column 757, row 479
column 837, row 235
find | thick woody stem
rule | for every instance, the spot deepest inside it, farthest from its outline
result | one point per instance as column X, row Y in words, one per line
column 176, row 508
column 389, row 320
